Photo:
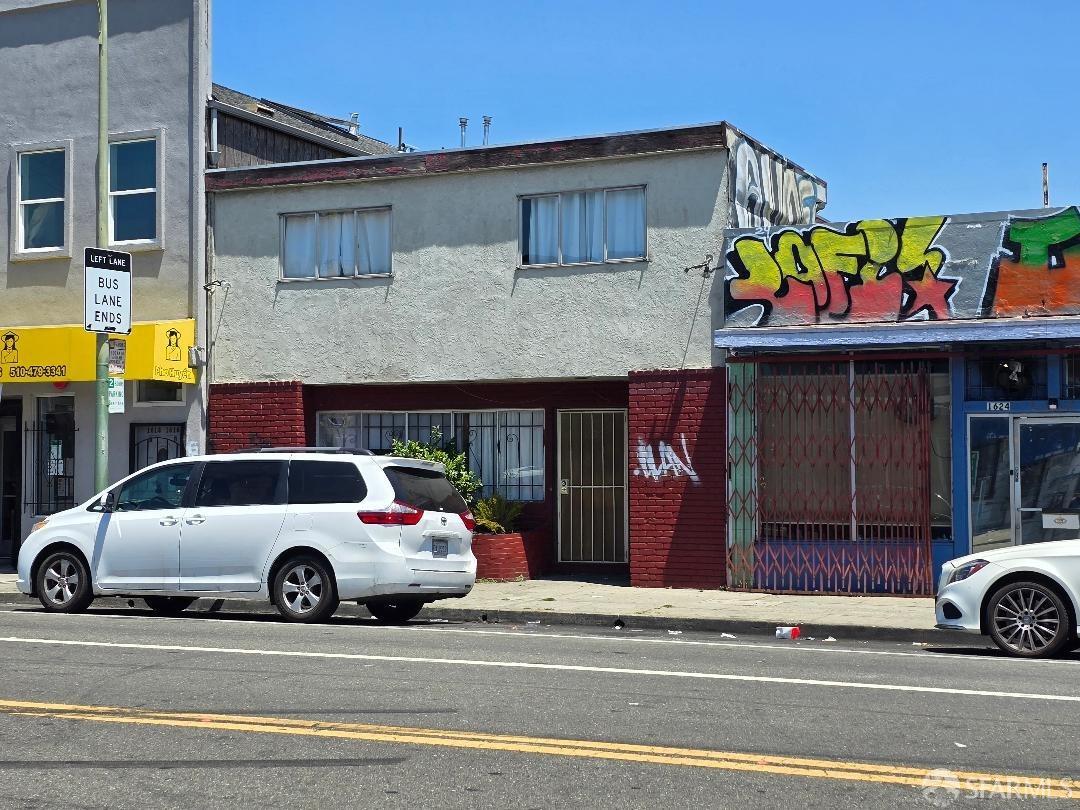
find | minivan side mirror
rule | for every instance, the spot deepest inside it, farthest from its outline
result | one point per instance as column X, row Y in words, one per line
column 107, row 502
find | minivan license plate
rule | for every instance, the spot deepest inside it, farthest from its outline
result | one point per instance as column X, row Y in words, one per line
column 439, row 548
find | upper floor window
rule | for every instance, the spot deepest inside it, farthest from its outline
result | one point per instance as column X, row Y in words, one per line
column 133, row 191
column 583, row 227
column 42, row 190
column 336, row 244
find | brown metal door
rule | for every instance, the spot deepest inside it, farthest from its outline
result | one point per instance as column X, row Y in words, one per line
column 592, row 486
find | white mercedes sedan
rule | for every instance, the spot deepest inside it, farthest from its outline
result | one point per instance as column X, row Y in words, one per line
column 1026, row 598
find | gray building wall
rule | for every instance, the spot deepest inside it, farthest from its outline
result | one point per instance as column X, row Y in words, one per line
column 457, row 308
column 158, row 81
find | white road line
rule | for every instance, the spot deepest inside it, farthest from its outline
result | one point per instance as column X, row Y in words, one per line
column 658, row 673
column 414, row 628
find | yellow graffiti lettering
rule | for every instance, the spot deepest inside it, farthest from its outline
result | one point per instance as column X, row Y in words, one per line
column 882, row 242
column 915, row 245
column 839, row 253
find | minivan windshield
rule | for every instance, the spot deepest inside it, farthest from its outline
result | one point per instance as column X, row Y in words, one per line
column 425, row 489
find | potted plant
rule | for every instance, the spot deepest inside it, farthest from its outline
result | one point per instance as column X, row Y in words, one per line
column 503, row 550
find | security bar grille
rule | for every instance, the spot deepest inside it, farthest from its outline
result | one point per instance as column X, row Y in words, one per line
column 592, row 486
column 829, row 477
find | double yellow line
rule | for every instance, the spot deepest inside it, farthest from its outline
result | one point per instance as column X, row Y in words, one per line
column 1017, row 785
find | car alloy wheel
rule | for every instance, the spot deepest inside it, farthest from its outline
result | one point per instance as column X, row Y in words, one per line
column 304, row 591
column 63, row 583
column 302, row 588
column 1028, row 619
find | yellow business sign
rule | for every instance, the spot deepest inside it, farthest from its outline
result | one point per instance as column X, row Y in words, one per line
column 155, row 351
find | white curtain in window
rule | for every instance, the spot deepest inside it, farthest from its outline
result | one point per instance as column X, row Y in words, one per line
column 337, row 245
column 626, row 223
column 583, row 227
column 373, row 236
column 299, row 258
column 543, row 229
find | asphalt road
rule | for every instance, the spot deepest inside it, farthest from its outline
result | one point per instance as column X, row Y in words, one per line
column 118, row 708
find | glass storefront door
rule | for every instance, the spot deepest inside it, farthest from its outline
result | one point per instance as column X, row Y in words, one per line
column 1049, row 486
column 990, row 459
column 1024, row 480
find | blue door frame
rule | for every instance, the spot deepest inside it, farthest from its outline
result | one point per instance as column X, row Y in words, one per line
column 960, row 544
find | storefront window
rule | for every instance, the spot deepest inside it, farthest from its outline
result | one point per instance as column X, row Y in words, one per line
column 1071, row 383
column 1006, row 378
column 54, row 455
column 505, row 448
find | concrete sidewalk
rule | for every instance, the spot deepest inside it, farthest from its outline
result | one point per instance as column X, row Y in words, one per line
column 574, row 602
column 568, row 601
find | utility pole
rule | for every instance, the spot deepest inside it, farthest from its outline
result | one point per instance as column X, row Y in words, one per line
column 101, row 421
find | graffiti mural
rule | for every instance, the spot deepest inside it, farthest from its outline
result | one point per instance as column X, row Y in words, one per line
column 663, row 460
column 1015, row 264
column 1038, row 273
column 767, row 190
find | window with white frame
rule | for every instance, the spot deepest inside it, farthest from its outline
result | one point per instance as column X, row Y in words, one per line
column 583, row 227
column 336, row 244
column 42, row 193
column 133, row 191
column 504, row 448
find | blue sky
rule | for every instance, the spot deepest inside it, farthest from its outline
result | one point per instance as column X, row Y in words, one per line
column 904, row 108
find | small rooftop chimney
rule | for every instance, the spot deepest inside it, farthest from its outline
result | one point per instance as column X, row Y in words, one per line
column 464, row 123
column 354, row 123
column 487, row 128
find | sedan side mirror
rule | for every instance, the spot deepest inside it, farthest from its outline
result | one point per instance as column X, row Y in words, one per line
column 107, row 502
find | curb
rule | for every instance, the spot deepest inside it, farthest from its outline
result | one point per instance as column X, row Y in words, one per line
column 607, row 621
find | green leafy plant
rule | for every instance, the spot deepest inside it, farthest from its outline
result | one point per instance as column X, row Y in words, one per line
column 446, row 453
column 496, row 515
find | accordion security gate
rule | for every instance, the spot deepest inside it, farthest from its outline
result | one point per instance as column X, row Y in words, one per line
column 829, row 476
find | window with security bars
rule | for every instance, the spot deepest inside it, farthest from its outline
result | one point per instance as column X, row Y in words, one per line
column 1006, row 378
column 504, row 448
column 1071, row 381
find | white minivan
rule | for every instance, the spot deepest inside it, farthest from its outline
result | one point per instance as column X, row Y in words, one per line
column 303, row 528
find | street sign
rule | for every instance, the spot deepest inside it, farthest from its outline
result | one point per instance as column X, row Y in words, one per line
column 107, row 300
column 117, row 357
column 116, row 395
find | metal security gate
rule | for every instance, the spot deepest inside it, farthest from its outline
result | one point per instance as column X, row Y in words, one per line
column 153, row 443
column 829, row 476
column 592, row 486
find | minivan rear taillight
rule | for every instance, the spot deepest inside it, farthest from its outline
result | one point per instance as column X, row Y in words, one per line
column 468, row 519
column 399, row 514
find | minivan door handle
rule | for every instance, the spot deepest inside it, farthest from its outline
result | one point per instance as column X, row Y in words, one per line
column 195, row 520
column 168, row 521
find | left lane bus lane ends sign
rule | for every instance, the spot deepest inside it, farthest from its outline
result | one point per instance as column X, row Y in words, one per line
column 107, row 299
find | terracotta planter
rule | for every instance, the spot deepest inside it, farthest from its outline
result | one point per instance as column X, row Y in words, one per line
column 515, row 555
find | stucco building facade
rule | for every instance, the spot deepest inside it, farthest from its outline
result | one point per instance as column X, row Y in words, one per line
column 548, row 307
column 159, row 82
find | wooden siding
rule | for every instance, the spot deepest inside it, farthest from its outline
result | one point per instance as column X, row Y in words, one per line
column 244, row 144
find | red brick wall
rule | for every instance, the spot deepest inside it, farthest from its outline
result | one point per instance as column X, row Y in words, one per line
column 246, row 415
column 678, row 493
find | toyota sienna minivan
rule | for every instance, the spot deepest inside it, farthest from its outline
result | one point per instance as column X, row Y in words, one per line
column 301, row 528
